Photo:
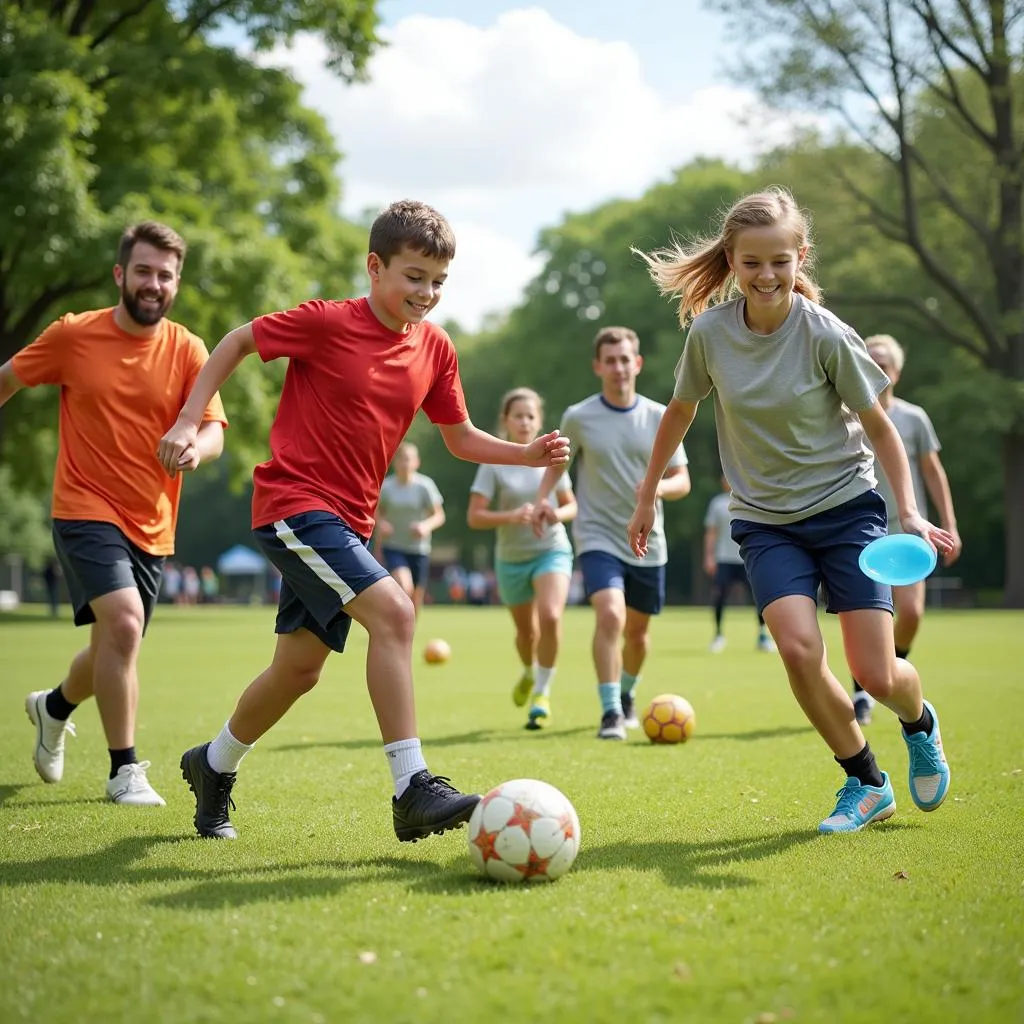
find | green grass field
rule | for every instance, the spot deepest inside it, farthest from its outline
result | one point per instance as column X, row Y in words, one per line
column 702, row 891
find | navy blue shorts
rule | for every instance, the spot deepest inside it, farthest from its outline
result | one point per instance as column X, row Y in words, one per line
column 97, row 559
column 795, row 558
column 729, row 574
column 418, row 565
column 323, row 564
column 643, row 585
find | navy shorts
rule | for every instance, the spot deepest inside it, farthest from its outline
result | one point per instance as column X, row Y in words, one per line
column 795, row 558
column 324, row 564
column 729, row 574
column 643, row 585
column 418, row 565
column 97, row 559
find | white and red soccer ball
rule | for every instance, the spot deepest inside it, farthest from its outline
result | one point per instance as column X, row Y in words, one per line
column 524, row 831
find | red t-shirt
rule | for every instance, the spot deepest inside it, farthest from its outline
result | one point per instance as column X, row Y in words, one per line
column 351, row 391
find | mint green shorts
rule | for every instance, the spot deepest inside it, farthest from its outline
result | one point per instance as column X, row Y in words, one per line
column 515, row 579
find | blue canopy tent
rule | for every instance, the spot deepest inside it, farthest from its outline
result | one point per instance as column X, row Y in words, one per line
column 243, row 574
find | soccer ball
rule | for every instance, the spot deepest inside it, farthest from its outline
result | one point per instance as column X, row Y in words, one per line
column 668, row 719
column 437, row 652
column 524, row 831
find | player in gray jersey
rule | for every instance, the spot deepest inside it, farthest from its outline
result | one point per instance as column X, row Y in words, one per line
column 611, row 435
column 929, row 479
column 533, row 570
column 724, row 564
column 410, row 510
column 795, row 395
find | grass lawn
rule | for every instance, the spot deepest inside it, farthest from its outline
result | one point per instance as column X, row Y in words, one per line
column 702, row 891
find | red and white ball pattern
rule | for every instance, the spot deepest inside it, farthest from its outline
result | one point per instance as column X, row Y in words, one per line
column 668, row 719
column 524, row 831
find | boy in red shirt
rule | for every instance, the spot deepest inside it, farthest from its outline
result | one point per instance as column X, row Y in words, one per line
column 359, row 370
column 123, row 374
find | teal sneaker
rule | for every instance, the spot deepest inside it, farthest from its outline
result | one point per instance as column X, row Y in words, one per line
column 860, row 805
column 929, row 772
column 540, row 711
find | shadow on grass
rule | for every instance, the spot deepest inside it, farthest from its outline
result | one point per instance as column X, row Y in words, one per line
column 757, row 734
column 6, row 792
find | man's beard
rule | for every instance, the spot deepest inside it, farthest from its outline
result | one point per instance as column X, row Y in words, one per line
column 144, row 316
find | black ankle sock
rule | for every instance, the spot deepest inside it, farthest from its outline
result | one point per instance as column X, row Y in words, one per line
column 857, row 688
column 58, row 706
column 923, row 724
column 118, row 758
column 902, row 652
column 862, row 767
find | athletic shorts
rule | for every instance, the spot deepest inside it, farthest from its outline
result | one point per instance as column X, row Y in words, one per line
column 795, row 558
column 729, row 574
column 515, row 579
column 418, row 565
column 324, row 564
column 97, row 559
column 642, row 585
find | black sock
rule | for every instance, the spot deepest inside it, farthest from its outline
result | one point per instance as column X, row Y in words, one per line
column 862, row 767
column 902, row 652
column 118, row 758
column 923, row 724
column 857, row 688
column 58, row 706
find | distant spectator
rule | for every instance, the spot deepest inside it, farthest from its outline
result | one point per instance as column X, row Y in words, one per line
column 190, row 585
column 172, row 582
column 476, row 588
column 209, row 585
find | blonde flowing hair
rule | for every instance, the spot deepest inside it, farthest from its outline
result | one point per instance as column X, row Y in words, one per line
column 699, row 273
column 509, row 399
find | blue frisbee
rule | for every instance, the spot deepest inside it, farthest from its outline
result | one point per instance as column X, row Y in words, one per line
column 899, row 559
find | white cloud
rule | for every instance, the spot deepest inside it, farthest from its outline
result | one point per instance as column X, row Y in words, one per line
column 504, row 129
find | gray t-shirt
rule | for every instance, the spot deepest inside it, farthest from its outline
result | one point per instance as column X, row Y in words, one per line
column 515, row 486
column 785, row 406
column 612, row 449
column 719, row 519
column 919, row 439
column 404, row 504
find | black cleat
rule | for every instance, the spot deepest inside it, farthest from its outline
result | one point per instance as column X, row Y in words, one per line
column 213, row 794
column 613, row 726
column 430, row 806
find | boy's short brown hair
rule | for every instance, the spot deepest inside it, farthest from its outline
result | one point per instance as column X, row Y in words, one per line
column 158, row 235
column 612, row 336
column 412, row 224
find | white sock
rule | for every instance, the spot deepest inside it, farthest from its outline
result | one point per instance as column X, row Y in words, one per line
column 542, row 679
column 225, row 753
column 405, row 759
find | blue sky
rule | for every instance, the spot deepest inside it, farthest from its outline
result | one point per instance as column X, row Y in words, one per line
column 506, row 116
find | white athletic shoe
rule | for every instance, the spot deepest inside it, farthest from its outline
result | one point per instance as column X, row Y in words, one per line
column 49, row 752
column 717, row 645
column 130, row 786
column 766, row 644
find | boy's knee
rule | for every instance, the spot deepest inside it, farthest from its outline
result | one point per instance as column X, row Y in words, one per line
column 800, row 653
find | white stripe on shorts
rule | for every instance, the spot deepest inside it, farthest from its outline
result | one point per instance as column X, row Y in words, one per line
column 315, row 561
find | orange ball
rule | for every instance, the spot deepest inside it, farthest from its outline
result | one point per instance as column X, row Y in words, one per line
column 668, row 719
column 437, row 652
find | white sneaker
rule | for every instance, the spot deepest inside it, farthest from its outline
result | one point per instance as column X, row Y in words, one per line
column 717, row 645
column 130, row 786
column 766, row 644
column 49, row 752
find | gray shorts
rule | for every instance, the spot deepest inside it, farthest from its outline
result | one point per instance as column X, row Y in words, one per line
column 97, row 559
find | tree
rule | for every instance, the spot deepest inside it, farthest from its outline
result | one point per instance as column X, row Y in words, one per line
column 930, row 90
column 216, row 143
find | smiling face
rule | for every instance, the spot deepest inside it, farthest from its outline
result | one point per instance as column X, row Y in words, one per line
column 765, row 261
column 406, row 289
column 149, row 283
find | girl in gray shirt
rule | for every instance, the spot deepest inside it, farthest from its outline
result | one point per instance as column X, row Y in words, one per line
column 533, row 569
column 796, row 396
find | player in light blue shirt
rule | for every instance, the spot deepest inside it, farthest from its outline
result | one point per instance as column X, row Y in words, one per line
column 533, row 570
column 611, row 434
column 796, row 395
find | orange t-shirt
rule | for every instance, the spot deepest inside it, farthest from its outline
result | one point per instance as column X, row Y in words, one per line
column 119, row 394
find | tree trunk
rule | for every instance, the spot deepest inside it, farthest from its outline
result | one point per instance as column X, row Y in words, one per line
column 1013, row 477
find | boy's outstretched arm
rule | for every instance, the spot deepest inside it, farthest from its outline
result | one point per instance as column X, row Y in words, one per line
column 467, row 442
column 177, row 446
